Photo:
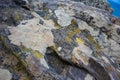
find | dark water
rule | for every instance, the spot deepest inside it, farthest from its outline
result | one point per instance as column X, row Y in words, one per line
column 115, row 5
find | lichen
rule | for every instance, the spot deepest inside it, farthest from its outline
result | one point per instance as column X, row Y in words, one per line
column 67, row 39
column 37, row 54
column 79, row 41
column 96, row 45
column 54, row 48
column 71, row 33
column 77, row 31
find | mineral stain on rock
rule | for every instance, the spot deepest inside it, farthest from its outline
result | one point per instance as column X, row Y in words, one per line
column 59, row 40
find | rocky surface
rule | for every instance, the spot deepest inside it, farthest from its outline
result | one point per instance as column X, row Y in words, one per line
column 102, row 4
column 59, row 40
column 5, row 74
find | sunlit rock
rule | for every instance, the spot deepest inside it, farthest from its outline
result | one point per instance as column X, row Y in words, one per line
column 5, row 74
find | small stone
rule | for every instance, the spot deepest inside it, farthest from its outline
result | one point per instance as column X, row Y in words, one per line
column 63, row 18
column 59, row 48
column 5, row 74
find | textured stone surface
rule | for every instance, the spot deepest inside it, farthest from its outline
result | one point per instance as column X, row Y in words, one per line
column 102, row 4
column 61, row 40
column 5, row 74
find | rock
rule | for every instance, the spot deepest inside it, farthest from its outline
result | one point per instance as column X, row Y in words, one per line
column 72, row 41
column 5, row 74
column 63, row 18
column 102, row 4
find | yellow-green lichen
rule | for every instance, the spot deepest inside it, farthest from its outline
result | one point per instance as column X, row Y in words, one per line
column 47, row 16
column 79, row 41
column 96, row 45
column 18, row 17
column 24, row 49
column 54, row 48
column 67, row 39
column 74, row 27
column 73, row 21
column 71, row 33
column 37, row 54
column 77, row 31
column 57, row 26
column 21, row 60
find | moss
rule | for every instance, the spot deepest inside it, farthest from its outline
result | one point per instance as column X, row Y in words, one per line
column 67, row 39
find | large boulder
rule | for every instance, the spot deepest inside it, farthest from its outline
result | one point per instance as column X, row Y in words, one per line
column 63, row 40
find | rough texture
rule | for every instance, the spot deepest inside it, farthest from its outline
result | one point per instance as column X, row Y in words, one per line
column 102, row 4
column 5, row 74
column 61, row 40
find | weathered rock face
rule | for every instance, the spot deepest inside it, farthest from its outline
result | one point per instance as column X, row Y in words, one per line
column 62, row 40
